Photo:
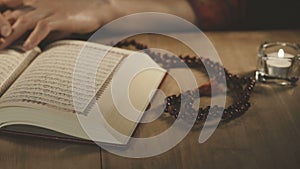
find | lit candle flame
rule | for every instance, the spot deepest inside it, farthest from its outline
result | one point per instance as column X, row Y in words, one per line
column 281, row 53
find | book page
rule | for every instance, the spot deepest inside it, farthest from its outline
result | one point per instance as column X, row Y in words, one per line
column 12, row 63
column 120, row 116
column 48, row 81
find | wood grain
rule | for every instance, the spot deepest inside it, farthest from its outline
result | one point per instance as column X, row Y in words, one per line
column 29, row 153
column 267, row 136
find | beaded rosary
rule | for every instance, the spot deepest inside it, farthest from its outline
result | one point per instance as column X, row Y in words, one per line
column 241, row 86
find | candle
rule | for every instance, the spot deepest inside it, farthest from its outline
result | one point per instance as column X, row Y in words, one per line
column 278, row 64
column 278, row 67
column 281, row 54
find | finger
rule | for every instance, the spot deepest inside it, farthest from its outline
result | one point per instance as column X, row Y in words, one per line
column 51, row 37
column 22, row 25
column 6, row 12
column 42, row 30
column 12, row 16
column 39, row 33
column 5, row 27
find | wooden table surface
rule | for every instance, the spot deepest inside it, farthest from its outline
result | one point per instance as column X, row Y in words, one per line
column 267, row 136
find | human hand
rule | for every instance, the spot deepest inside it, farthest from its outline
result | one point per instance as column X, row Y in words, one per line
column 5, row 26
column 46, row 16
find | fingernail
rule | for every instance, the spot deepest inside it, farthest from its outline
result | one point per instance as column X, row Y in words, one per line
column 5, row 30
column 26, row 46
column 2, row 41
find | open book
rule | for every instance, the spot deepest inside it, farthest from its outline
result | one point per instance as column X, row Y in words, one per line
column 37, row 88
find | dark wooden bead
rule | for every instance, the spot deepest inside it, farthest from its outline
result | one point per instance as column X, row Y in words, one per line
column 242, row 86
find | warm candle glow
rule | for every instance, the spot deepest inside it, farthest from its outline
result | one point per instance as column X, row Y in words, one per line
column 281, row 53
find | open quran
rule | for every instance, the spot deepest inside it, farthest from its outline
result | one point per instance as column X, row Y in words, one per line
column 37, row 90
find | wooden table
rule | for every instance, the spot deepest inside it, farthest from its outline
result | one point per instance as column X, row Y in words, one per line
column 267, row 136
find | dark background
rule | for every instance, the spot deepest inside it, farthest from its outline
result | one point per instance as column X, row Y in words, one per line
column 271, row 14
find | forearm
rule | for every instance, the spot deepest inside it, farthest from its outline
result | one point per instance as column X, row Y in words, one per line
column 181, row 8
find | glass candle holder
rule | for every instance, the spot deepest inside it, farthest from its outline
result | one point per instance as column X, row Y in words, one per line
column 278, row 62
